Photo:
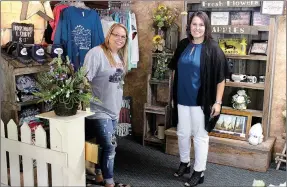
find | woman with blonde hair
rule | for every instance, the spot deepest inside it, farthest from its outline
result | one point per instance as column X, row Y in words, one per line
column 106, row 66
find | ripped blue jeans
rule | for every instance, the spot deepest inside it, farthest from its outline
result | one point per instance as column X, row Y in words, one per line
column 105, row 137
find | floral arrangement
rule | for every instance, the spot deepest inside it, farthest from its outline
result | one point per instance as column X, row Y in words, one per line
column 64, row 86
column 158, row 43
column 161, row 66
column 163, row 16
column 240, row 100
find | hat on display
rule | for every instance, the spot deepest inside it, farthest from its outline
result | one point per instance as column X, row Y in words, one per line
column 57, row 49
column 9, row 47
column 21, row 53
column 37, row 53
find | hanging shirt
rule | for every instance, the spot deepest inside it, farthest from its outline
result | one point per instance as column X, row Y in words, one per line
column 78, row 31
column 134, row 42
column 56, row 12
column 106, row 25
column 106, row 83
column 189, row 75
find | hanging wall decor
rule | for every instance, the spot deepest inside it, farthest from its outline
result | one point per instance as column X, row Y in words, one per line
column 240, row 18
column 233, row 46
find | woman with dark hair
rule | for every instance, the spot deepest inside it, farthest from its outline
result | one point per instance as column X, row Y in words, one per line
column 199, row 80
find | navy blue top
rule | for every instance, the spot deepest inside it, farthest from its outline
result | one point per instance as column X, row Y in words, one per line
column 189, row 75
column 79, row 30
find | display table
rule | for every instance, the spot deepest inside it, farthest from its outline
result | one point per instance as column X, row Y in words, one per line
column 229, row 152
column 67, row 134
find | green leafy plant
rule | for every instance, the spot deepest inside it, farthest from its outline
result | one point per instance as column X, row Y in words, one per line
column 63, row 85
column 161, row 66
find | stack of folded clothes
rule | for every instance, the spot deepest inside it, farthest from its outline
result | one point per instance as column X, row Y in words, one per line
column 26, row 85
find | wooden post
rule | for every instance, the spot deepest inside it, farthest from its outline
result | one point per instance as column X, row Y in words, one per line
column 67, row 134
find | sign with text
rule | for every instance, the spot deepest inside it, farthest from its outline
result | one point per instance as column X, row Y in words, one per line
column 22, row 32
column 272, row 7
column 232, row 29
column 225, row 4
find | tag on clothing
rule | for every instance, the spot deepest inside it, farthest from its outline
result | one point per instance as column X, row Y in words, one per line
column 83, row 14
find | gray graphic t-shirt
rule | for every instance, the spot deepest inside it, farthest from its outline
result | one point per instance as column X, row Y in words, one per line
column 106, row 83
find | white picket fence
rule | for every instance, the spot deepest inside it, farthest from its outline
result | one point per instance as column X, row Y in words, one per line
column 28, row 152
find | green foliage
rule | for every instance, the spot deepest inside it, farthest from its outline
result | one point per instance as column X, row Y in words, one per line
column 63, row 85
column 161, row 66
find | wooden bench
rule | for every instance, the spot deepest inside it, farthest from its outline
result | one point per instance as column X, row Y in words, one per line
column 236, row 153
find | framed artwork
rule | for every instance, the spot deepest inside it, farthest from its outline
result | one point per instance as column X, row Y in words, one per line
column 259, row 47
column 240, row 18
column 272, row 7
column 219, row 18
column 259, row 19
column 233, row 46
column 233, row 124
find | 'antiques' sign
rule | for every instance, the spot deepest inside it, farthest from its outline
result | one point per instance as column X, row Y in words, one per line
column 225, row 4
column 22, row 32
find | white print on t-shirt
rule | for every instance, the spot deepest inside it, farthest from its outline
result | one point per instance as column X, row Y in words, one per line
column 82, row 37
column 40, row 52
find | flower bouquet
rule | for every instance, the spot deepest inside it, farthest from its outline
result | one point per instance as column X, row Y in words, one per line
column 163, row 16
column 64, row 87
column 240, row 100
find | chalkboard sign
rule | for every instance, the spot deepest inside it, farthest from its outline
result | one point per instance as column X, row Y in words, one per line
column 22, row 32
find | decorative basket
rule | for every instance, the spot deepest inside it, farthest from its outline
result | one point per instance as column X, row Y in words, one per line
column 62, row 109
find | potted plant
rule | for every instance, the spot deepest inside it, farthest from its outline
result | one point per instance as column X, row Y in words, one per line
column 240, row 100
column 64, row 87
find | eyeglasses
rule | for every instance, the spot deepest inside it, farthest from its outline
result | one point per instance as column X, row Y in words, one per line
column 119, row 36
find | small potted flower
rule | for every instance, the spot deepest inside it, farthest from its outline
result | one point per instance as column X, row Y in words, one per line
column 158, row 44
column 240, row 100
column 64, row 87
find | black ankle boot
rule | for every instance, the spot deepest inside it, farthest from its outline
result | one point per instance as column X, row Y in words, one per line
column 183, row 169
column 195, row 179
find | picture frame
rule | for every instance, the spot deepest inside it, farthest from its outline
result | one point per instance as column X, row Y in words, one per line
column 272, row 7
column 259, row 47
column 240, row 18
column 259, row 19
column 219, row 18
column 233, row 124
column 233, row 46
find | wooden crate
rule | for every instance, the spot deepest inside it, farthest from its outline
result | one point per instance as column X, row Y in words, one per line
column 230, row 152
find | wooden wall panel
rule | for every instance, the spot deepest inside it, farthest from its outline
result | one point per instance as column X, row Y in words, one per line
column 278, row 126
column 136, row 80
column 10, row 12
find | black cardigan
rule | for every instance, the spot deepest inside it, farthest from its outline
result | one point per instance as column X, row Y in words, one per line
column 213, row 70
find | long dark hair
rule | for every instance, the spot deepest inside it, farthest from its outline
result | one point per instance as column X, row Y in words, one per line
column 206, row 21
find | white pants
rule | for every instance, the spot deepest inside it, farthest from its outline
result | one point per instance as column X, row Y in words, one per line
column 191, row 123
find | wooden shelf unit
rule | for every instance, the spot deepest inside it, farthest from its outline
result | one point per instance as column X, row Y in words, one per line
column 255, row 113
column 247, row 57
column 152, row 109
column 256, row 86
column 12, row 68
